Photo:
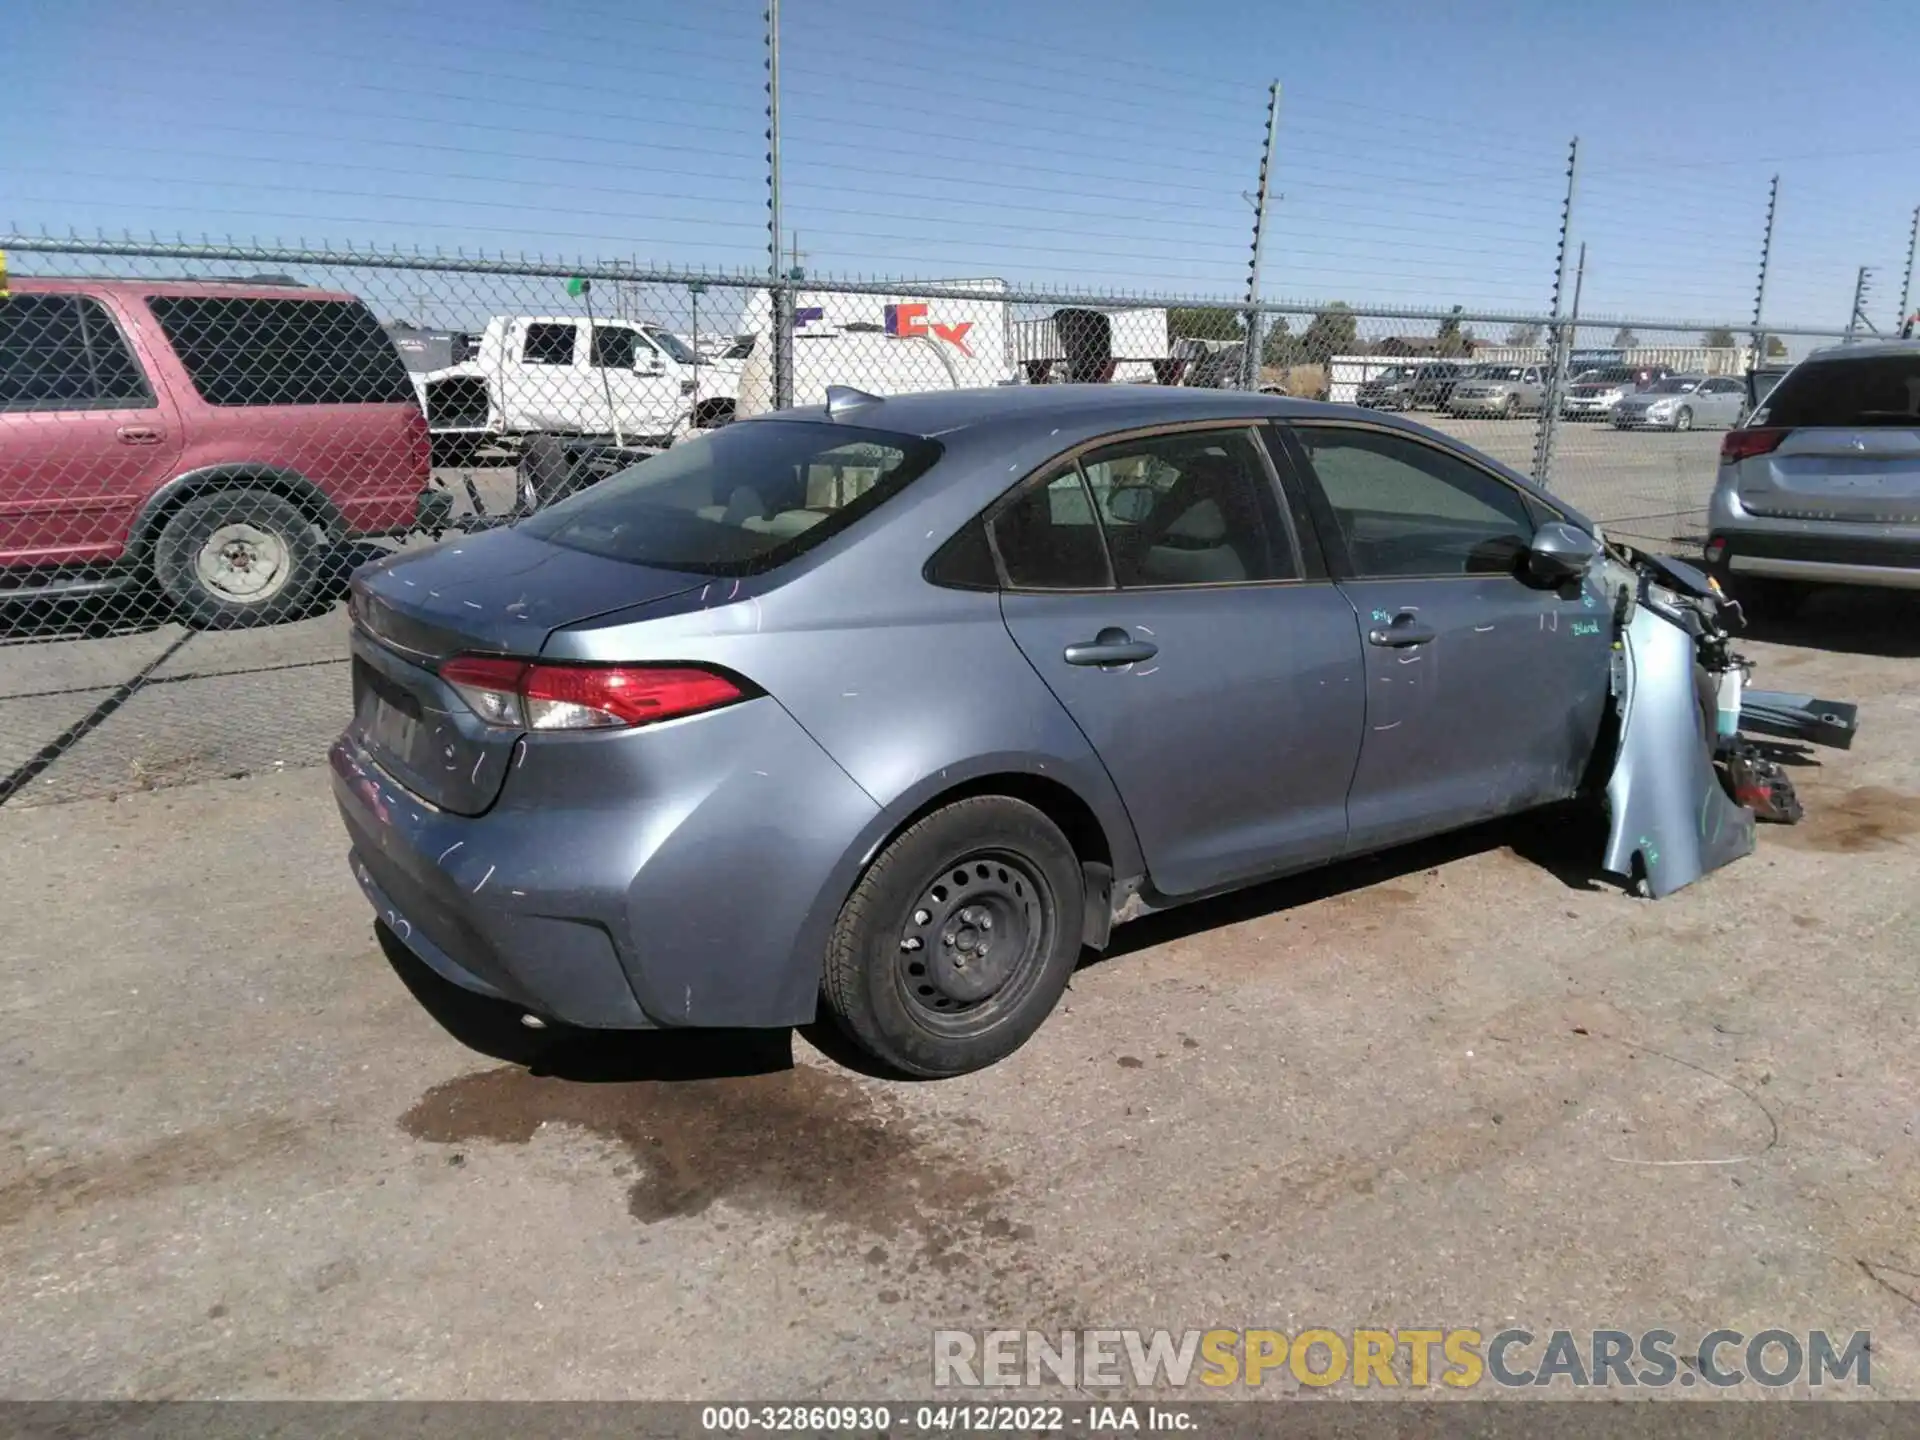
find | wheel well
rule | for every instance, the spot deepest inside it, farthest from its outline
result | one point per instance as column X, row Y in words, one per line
column 1056, row 801
column 297, row 491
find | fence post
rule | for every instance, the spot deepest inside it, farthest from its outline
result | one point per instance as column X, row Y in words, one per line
column 1760, row 290
column 1557, row 381
column 1862, row 283
column 1906, row 286
column 1250, row 351
column 779, row 292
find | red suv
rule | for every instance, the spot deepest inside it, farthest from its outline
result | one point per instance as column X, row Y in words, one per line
column 215, row 436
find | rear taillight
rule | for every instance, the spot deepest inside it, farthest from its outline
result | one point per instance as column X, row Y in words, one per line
column 1744, row 444
column 533, row 695
column 1716, row 550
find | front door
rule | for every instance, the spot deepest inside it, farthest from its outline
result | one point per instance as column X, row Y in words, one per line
column 643, row 383
column 1484, row 691
column 1158, row 589
column 85, row 436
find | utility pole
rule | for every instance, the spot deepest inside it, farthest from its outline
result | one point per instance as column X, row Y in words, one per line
column 1250, row 352
column 1760, row 290
column 780, row 293
column 1557, row 381
column 1862, row 287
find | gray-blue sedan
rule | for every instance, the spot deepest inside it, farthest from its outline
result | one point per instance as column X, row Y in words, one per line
column 889, row 708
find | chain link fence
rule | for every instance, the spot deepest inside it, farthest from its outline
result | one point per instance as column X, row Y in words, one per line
column 198, row 444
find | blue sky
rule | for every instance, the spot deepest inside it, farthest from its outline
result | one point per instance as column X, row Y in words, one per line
column 1421, row 153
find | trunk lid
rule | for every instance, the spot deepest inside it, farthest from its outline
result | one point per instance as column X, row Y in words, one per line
column 1868, row 475
column 500, row 593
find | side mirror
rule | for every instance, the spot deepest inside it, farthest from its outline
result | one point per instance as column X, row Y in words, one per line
column 1561, row 552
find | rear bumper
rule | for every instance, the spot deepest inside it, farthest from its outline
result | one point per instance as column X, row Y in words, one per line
column 1813, row 551
column 1575, row 408
column 680, row 875
column 1640, row 420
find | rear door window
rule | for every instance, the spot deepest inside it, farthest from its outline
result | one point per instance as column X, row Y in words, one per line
column 1847, row 393
column 738, row 500
column 64, row 352
column 549, row 344
column 239, row 350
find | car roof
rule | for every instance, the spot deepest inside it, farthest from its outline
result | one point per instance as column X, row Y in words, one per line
column 123, row 287
column 1866, row 350
column 1105, row 407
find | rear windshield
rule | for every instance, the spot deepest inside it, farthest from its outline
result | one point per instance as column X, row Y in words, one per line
column 1881, row 390
column 740, row 499
column 242, row 351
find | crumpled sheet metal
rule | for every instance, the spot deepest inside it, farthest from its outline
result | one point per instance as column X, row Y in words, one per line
column 1664, row 800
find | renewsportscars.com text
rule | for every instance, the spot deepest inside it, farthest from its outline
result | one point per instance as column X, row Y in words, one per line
column 1458, row 1358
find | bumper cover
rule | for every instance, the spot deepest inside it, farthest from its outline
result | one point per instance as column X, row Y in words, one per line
column 657, row 877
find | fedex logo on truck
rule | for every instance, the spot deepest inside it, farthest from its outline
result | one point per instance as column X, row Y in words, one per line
column 909, row 321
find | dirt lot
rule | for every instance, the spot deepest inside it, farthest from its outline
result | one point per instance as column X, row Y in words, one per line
column 1460, row 1085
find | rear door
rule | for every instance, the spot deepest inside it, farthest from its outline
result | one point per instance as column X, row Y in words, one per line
column 85, row 434
column 544, row 383
column 1159, row 588
column 1721, row 400
column 1484, row 692
column 1853, row 448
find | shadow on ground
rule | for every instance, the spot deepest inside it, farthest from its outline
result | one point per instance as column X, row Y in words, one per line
column 1846, row 621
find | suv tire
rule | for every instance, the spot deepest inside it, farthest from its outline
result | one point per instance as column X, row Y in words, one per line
column 959, row 939
column 235, row 558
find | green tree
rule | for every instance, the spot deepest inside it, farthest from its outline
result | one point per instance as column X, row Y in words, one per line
column 1719, row 338
column 1334, row 331
column 1625, row 339
column 1278, row 344
column 1193, row 322
column 1776, row 348
column 1523, row 334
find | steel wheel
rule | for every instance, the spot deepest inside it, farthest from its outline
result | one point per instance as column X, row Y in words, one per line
column 243, row 563
column 958, row 940
column 972, row 942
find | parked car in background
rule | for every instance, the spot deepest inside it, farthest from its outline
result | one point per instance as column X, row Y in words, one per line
column 574, row 741
column 1392, row 389
column 565, row 375
column 1501, row 390
column 1433, row 383
column 1410, row 387
column 1593, row 394
column 1684, row 402
column 213, row 437
column 1822, row 485
column 423, row 350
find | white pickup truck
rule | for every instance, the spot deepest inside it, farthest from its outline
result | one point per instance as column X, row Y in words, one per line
column 565, row 375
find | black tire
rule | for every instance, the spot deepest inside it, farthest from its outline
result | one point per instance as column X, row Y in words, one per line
column 1682, row 420
column 1511, row 410
column 1765, row 600
column 234, row 558
column 921, row 906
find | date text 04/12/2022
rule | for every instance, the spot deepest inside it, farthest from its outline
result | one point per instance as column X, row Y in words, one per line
column 942, row 1419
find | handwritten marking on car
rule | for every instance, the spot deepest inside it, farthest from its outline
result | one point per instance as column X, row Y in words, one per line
column 449, row 850
column 486, row 877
